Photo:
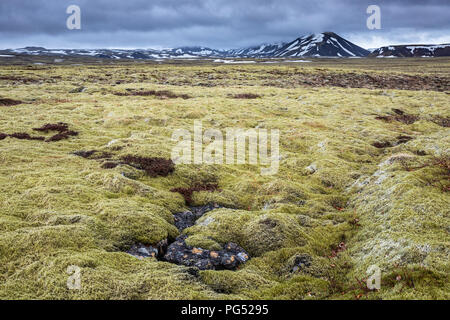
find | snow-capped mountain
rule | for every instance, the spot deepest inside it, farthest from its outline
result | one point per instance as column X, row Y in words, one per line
column 327, row 44
column 440, row 50
column 264, row 50
column 195, row 51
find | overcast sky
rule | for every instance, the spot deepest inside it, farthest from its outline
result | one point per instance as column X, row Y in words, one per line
column 217, row 23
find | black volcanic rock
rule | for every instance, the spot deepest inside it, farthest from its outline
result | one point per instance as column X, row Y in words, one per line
column 231, row 257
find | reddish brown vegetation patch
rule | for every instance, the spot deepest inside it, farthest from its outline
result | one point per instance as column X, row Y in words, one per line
column 62, row 136
column 25, row 136
column 246, row 96
column 60, row 127
column 152, row 166
column 85, row 154
column 400, row 116
column 187, row 192
column 441, row 121
column 162, row 94
column 5, row 102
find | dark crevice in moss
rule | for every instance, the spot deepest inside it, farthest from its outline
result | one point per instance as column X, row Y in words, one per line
column 149, row 251
column 109, row 165
column 301, row 262
column 382, row 144
column 399, row 116
column 162, row 94
column 386, row 144
column 85, row 154
column 152, row 166
column 246, row 96
column 404, row 139
column 187, row 192
column 180, row 253
column 93, row 154
column 5, row 102
column 420, row 153
column 187, row 219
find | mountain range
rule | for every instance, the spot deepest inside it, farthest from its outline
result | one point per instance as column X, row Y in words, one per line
column 326, row 44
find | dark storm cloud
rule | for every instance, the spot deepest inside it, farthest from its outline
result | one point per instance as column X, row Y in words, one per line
column 215, row 23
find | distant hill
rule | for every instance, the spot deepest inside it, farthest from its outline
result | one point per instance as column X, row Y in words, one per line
column 418, row 50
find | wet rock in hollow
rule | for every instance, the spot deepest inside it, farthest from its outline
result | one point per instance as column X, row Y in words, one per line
column 142, row 251
column 301, row 262
column 178, row 252
column 230, row 257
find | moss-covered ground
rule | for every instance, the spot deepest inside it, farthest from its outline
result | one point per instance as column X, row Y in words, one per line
column 338, row 203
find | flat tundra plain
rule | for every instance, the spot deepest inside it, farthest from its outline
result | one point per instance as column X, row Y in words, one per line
column 363, row 179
